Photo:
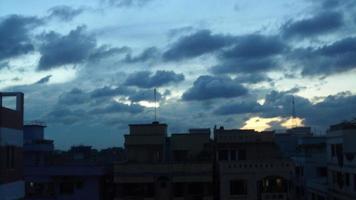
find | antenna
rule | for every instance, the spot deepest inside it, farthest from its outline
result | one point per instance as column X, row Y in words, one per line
column 155, row 95
column 293, row 113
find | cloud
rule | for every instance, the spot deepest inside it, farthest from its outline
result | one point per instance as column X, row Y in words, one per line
column 321, row 23
column 337, row 57
column 57, row 50
column 15, row 37
column 44, row 80
column 105, row 51
column 147, row 54
column 196, row 44
column 252, row 78
column 75, row 96
column 127, row 3
column 66, row 116
column 144, row 95
column 320, row 114
column 238, row 108
column 211, row 87
column 115, row 107
column 110, row 92
column 64, row 13
column 131, row 94
column 251, row 54
column 145, row 79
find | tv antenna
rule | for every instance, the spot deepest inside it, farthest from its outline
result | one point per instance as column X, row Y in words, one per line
column 155, row 105
column 293, row 113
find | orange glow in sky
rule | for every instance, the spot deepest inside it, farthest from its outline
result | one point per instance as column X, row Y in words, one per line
column 261, row 124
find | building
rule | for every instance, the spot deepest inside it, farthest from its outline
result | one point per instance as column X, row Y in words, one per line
column 11, row 144
column 162, row 168
column 250, row 166
column 341, row 153
column 313, row 159
column 74, row 174
column 289, row 144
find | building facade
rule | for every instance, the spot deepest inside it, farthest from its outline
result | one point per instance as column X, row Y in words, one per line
column 11, row 144
column 250, row 166
column 162, row 168
column 341, row 153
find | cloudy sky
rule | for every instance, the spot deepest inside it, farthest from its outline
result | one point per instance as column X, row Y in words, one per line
column 89, row 68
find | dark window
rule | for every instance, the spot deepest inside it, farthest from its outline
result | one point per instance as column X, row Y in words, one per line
column 322, row 171
column 149, row 190
column 238, row 187
column 180, row 155
column 196, row 188
column 355, row 182
column 179, row 189
column 321, row 197
column 10, row 157
column 232, row 155
column 223, row 155
column 333, row 151
column 347, row 179
column 66, row 188
column 242, row 154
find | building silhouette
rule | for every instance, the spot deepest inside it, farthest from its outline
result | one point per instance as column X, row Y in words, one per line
column 11, row 143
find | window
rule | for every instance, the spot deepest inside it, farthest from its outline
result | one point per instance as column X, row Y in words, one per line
column 321, row 171
column 10, row 157
column 242, row 154
column 149, row 190
column 223, row 155
column 347, row 179
column 66, row 188
column 355, row 182
column 180, row 155
column 179, row 189
column 238, row 187
column 333, row 151
column 196, row 188
column 232, row 155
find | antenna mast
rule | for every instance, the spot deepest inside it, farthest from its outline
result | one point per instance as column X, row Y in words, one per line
column 155, row 95
column 293, row 112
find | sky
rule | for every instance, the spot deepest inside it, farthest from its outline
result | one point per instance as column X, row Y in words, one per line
column 89, row 68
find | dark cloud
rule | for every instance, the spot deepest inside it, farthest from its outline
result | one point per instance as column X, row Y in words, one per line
column 252, row 78
column 44, row 80
column 4, row 65
column 238, row 108
column 146, row 79
column 211, row 87
column 105, row 51
column 322, row 23
column 131, row 94
column 147, row 55
column 144, row 95
column 57, row 50
column 66, row 116
column 64, row 13
column 178, row 31
column 337, row 57
column 73, row 97
column 15, row 37
column 279, row 104
column 320, row 114
column 116, row 107
column 195, row 45
column 126, row 3
column 110, row 92
column 251, row 54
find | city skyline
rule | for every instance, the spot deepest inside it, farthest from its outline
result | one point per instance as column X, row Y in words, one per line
column 88, row 69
